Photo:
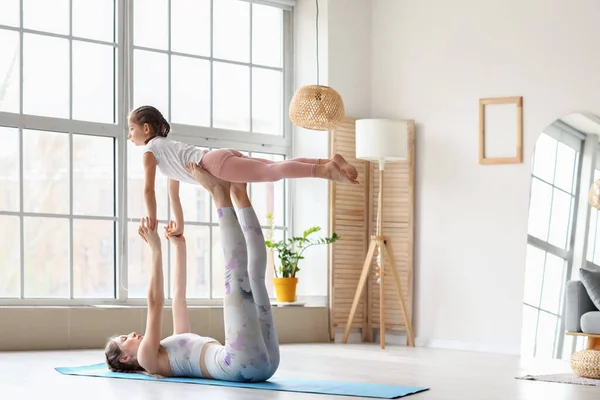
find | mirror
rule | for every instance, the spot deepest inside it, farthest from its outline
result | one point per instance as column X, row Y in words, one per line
column 563, row 231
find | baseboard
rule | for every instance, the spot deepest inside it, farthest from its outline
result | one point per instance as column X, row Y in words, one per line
column 393, row 338
column 465, row 346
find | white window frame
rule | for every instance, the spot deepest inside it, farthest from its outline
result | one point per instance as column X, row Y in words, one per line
column 196, row 135
column 589, row 158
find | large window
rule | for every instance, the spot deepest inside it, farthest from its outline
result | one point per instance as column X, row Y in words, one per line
column 563, row 233
column 70, row 183
column 554, row 185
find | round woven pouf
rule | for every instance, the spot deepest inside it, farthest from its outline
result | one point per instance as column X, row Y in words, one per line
column 586, row 363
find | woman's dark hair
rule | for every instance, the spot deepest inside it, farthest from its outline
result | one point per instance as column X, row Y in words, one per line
column 151, row 116
column 113, row 358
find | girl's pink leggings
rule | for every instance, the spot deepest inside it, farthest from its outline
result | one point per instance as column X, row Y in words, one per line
column 232, row 166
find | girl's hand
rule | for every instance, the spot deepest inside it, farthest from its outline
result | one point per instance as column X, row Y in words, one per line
column 149, row 234
column 173, row 233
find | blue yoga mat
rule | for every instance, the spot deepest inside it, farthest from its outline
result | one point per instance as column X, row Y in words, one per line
column 281, row 384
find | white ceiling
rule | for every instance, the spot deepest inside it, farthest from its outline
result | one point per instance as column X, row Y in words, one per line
column 584, row 123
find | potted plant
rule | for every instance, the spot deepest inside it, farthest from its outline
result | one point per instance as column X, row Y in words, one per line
column 290, row 252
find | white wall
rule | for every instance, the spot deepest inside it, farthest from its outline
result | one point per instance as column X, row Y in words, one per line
column 432, row 61
column 350, row 54
column 309, row 196
column 344, row 64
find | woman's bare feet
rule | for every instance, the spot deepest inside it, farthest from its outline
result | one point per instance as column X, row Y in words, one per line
column 218, row 188
column 205, row 178
column 333, row 171
column 346, row 167
column 239, row 193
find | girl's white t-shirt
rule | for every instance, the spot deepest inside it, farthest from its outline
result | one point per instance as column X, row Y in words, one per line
column 172, row 157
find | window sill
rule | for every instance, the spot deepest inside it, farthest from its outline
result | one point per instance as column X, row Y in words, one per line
column 303, row 301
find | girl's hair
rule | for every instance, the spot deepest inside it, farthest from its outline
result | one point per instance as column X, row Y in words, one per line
column 113, row 358
column 151, row 116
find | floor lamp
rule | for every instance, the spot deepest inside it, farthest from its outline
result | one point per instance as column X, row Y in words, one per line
column 381, row 141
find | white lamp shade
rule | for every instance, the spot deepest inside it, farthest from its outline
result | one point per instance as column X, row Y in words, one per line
column 381, row 140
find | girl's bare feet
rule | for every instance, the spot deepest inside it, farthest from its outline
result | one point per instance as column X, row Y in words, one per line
column 335, row 173
column 346, row 167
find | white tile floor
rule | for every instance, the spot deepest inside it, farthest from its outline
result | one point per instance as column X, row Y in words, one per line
column 452, row 375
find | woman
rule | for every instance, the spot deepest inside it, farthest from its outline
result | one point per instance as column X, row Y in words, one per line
column 251, row 349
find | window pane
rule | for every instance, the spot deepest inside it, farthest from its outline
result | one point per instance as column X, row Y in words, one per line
column 546, row 335
column 190, row 85
column 46, row 257
column 231, row 96
column 231, row 30
column 267, row 101
column 195, row 202
column 559, row 222
column 539, row 209
column 150, row 24
column 93, row 82
column 46, row 172
column 9, row 169
column 93, row 259
column 9, row 71
column 135, row 187
column 45, row 90
column 93, row 175
column 150, row 80
column 197, row 240
column 190, row 26
column 596, row 244
column 545, row 157
column 46, row 15
column 267, row 28
column 534, row 271
column 10, row 13
column 567, row 350
column 139, row 262
column 10, row 255
column 554, row 277
column 565, row 168
column 529, row 323
column 592, row 234
column 267, row 197
column 94, row 19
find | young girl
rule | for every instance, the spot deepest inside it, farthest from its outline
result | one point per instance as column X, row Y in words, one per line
column 251, row 349
column 176, row 160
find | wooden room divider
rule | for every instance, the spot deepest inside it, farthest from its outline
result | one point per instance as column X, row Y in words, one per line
column 353, row 216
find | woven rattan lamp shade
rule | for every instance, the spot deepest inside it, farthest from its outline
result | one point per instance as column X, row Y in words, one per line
column 316, row 107
column 594, row 195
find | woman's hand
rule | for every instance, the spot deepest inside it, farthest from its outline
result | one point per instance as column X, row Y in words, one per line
column 173, row 234
column 149, row 233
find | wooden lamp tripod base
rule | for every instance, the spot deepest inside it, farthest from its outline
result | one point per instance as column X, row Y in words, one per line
column 383, row 243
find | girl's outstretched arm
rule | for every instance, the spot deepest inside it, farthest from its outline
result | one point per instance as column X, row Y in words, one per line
column 175, row 208
column 149, row 193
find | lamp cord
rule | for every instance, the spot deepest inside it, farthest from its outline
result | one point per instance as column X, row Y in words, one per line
column 317, row 25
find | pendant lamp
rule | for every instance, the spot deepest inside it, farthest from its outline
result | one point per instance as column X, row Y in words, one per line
column 316, row 107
